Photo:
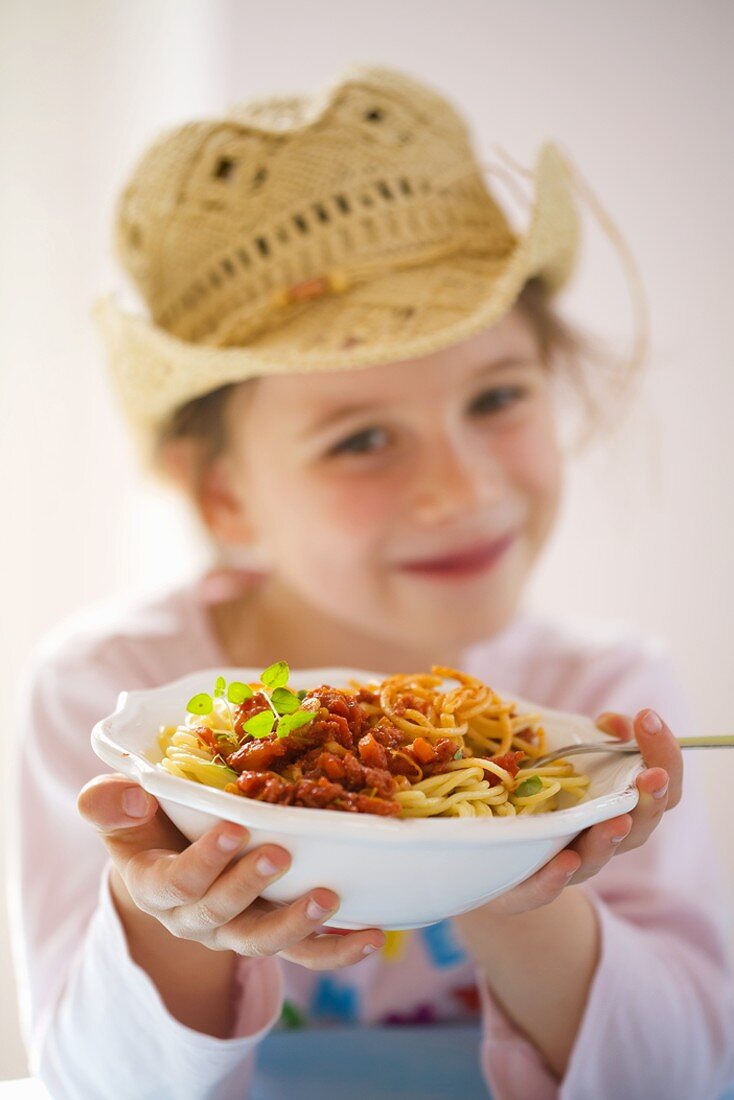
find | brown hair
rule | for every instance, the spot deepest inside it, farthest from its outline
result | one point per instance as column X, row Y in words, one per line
column 595, row 376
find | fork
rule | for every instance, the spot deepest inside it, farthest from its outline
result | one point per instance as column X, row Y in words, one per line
column 709, row 742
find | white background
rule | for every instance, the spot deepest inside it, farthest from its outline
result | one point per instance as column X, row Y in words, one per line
column 640, row 95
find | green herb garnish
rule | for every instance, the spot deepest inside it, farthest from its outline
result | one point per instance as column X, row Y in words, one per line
column 529, row 786
column 275, row 676
column 238, row 692
column 200, row 704
column 290, row 722
column 261, row 724
column 283, row 703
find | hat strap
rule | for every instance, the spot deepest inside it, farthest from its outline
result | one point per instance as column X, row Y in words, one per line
column 640, row 306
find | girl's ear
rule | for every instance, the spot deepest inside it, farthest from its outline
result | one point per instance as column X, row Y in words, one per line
column 209, row 487
column 222, row 507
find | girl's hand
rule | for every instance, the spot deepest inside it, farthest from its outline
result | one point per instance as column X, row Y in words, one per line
column 660, row 790
column 201, row 892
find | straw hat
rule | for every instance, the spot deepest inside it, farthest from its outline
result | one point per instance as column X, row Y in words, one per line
column 324, row 232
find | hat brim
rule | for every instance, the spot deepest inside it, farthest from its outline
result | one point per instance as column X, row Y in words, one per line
column 405, row 314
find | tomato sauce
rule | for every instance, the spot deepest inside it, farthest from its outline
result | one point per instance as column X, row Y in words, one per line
column 345, row 759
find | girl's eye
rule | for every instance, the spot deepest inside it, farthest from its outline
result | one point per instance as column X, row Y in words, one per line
column 374, row 439
column 496, row 399
column 364, row 442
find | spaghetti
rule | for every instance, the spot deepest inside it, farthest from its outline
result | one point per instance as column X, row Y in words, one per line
column 406, row 746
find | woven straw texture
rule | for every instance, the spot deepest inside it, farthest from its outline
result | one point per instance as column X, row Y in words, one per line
column 321, row 232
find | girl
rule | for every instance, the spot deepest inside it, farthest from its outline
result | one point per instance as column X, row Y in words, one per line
column 351, row 369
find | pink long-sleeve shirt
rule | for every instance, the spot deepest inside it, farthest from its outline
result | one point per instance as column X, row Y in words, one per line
column 659, row 1019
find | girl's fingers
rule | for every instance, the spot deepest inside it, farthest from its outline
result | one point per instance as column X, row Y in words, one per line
column 217, row 889
column 126, row 817
column 164, row 872
column 254, row 932
column 660, row 785
column 591, row 850
column 618, row 725
column 598, row 844
column 660, row 788
column 182, row 878
column 328, row 952
column 657, row 744
column 654, row 793
column 660, row 751
column 541, row 888
column 163, row 880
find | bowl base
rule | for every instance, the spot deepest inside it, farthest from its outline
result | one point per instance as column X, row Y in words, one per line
column 356, row 926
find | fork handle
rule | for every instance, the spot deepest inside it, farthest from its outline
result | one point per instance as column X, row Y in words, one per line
column 708, row 741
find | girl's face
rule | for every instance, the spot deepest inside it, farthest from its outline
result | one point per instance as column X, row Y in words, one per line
column 361, row 485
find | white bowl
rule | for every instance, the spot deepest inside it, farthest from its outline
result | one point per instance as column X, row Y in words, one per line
column 388, row 872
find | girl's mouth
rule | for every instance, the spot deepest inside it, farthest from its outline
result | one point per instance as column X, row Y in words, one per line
column 465, row 563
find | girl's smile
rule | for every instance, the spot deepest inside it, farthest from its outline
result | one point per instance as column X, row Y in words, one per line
column 463, row 563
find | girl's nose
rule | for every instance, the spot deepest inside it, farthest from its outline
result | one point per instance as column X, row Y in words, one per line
column 451, row 484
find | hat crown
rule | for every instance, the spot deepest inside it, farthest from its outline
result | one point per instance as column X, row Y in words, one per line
column 221, row 217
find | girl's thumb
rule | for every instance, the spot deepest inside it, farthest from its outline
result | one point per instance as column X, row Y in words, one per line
column 136, row 803
column 112, row 802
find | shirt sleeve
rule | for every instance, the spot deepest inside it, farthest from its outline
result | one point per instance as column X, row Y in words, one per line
column 89, row 1013
column 659, row 1016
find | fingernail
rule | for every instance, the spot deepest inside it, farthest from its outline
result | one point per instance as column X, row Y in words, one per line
column 227, row 842
column 135, row 802
column 617, row 839
column 651, row 723
column 369, row 948
column 570, row 874
column 314, row 911
column 661, row 791
column 266, row 867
